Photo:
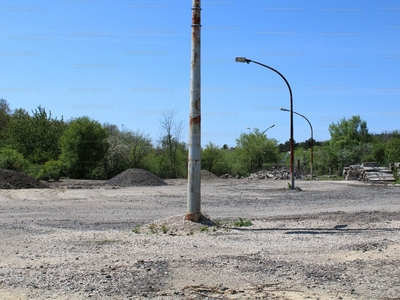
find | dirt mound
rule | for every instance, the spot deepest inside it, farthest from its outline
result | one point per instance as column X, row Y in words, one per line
column 17, row 180
column 135, row 177
column 207, row 175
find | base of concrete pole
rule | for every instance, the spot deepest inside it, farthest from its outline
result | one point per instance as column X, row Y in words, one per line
column 193, row 217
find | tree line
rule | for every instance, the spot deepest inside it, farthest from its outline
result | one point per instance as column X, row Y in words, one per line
column 82, row 148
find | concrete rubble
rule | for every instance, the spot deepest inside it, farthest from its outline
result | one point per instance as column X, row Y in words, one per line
column 370, row 172
column 275, row 174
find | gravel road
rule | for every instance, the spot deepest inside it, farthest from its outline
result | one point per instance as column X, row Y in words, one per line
column 84, row 239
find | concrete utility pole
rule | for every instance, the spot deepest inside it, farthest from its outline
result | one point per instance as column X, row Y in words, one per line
column 194, row 160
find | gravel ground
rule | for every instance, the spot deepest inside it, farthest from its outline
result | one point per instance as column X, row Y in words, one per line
column 85, row 239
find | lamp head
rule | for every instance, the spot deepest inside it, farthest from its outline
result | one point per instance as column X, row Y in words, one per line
column 242, row 59
column 284, row 109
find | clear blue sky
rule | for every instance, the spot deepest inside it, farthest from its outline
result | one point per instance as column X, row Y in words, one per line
column 126, row 62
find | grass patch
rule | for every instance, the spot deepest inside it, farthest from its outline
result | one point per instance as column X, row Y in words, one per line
column 153, row 228
column 136, row 229
column 204, row 228
column 164, row 228
column 242, row 223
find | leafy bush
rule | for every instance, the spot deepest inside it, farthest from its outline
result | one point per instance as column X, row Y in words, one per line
column 51, row 170
column 13, row 160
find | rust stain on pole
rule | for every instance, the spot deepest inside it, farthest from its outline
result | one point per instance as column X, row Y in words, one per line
column 194, row 160
column 195, row 120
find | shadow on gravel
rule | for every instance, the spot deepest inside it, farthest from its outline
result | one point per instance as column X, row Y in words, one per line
column 334, row 230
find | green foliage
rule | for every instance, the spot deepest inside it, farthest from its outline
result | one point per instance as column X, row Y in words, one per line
column 377, row 152
column 5, row 113
column 242, row 223
column 392, row 150
column 51, row 170
column 126, row 149
column 164, row 228
column 136, row 229
column 83, row 148
column 204, row 228
column 349, row 138
column 36, row 137
column 322, row 158
column 254, row 150
column 13, row 160
column 215, row 159
column 153, row 228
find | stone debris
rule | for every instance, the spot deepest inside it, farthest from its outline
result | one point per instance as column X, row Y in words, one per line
column 275, row 174
column 17, row 180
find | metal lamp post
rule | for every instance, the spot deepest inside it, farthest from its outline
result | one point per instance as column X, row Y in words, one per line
column 264, row 130
column 268, row 128
column 312, row 140
column 245, row 60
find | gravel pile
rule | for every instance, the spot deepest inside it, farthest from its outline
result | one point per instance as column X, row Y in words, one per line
column 207, row 175
column 17, row 180
column 135, row 177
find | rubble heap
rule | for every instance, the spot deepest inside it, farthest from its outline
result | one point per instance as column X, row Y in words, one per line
column 276, row 174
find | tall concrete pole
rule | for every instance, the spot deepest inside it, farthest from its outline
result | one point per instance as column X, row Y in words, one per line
column 194, row 160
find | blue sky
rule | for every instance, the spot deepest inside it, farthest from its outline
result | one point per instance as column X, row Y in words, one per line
column 127, row 62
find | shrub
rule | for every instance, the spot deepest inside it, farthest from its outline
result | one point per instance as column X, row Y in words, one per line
column 51, row 170
column 13, row 160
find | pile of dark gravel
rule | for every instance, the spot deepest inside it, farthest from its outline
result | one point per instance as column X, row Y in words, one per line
column 135, row 177
column 207, row 175
column 16, row 180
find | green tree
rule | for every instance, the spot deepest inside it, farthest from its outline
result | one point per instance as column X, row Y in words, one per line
column 324, row 159
column 393, row 153
column 349, row 140
column 126, row 149
column 215, row 159
column 35, row 137
column 83, row 148
column 5, row 113
column 255, row 149
column 393, row 148
column 13, row 160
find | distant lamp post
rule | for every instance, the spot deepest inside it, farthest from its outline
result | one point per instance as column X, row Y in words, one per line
column 245, row 60
column 268, row 128
column 249, row 128
column 312, row 140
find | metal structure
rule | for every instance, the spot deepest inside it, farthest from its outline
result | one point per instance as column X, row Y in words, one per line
column 312, row 140
column 264, row 130
column 268, row 128
column 193, row 212
column 245, row 60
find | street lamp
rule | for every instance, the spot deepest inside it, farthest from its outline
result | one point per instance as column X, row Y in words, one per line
column 268, row 128
column 264, row 130
column 245, row 60
column 312, row 140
